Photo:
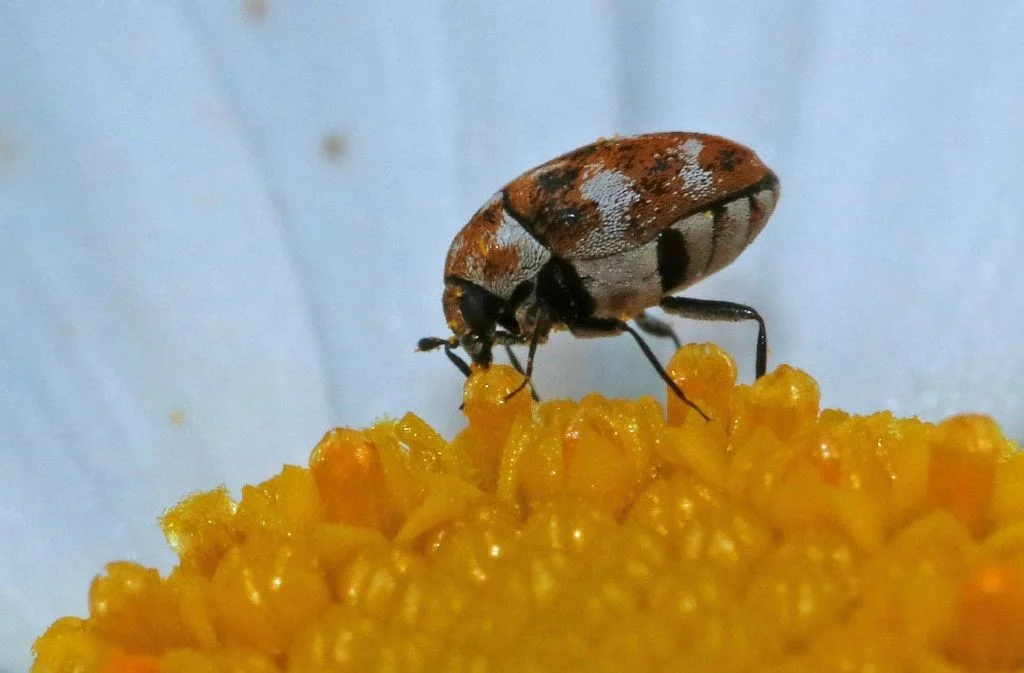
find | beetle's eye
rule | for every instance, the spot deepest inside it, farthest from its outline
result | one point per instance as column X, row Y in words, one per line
column 480, row 309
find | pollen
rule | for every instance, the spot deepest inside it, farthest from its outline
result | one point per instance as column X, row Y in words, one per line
column 592, row 535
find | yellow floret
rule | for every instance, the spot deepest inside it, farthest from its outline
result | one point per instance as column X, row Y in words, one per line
column 599, row 535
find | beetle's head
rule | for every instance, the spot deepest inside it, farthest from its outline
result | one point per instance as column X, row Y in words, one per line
column 474, row 315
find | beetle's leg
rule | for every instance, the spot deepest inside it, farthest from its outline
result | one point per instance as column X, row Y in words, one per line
column 459, row 363
column 514, row 359
column 709, row 309
column 657, row 327
column 593, row 326
column 539, row 331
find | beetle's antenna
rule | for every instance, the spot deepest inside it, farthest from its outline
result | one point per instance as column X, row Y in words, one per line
column 433, row 343
column 661, row 370
column 429, row 344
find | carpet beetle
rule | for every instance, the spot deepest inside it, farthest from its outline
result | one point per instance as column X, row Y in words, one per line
column 595, row 237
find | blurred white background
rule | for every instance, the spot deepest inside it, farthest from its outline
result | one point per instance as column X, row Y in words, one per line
column 222, row 225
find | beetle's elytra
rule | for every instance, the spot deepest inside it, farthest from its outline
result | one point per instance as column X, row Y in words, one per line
column 595, row 237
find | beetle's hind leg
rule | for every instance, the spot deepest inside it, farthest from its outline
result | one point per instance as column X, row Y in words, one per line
column 593, row 326
column 710, row 309
column 657, row 327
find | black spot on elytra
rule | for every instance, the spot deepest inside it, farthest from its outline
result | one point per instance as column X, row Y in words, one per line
column 728, row 159
column 659, row 166
column 506, row 205
column 656, row 185
column 489, row 215
column 557, row 179
column 556, row 218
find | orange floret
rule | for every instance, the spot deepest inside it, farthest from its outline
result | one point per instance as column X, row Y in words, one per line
column 599, row 535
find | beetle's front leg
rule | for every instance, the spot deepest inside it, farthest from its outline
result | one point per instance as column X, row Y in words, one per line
column 540, row 332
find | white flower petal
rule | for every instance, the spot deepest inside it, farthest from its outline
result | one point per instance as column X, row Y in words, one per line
column 221, row 231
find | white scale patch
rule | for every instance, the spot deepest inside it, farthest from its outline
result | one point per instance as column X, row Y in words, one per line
column 697, row 230
column 532, row 256
column 623, row 285
column 613, row 192
column 766, row 201
column 698, row 181
column 731, row 233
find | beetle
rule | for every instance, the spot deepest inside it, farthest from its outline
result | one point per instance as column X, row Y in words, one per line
column 595, row 237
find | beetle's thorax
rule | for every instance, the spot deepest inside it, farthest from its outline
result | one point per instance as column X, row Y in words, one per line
column 495, row 251
column 474, row 309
